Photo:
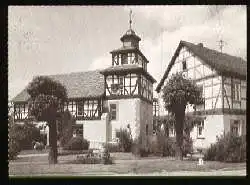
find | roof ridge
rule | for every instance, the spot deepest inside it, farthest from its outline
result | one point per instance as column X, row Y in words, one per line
column 214, row 50
column 70, row 73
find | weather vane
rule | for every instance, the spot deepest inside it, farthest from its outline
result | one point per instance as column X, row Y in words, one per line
column 130, row 19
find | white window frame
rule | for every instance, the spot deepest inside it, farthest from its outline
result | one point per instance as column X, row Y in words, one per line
column 236, row 91
column 236, row 124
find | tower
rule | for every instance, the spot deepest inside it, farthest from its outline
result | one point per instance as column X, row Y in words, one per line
column 129, row 87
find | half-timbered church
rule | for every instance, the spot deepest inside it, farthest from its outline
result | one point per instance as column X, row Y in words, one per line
column 222, row 78
column 124, row 90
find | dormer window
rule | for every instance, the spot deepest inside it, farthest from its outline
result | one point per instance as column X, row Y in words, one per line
column 184, row 65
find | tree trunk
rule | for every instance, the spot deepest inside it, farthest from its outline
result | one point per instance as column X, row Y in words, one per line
column 179, row 117
column 52, row 143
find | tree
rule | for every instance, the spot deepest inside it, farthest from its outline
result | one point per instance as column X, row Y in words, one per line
column 45, row 104
column 177, row 94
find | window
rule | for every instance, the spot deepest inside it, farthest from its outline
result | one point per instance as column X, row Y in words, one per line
column 146, row 129
column 80, row 108
column 184, row 65
column 154, row 127
column 125, row 58
column 127, row 44
column 235, row 127
column 155, row 108
column 200, row 130
column 236, row 91
column 113, row 111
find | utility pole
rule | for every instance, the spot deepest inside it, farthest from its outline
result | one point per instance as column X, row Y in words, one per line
column 221, row 44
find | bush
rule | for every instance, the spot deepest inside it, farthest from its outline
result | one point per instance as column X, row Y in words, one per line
column 138, row 149
column 228, row 148
column 106, row 159
column 14, row 148
column 187, row 145
column 77, row 143
column 113, row 147
column 165, row 146
column 87, row 160
column 30, row 133
column 125, row 140
column 90, row 158
column 14, row 139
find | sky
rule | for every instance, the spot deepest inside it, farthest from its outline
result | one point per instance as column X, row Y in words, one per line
column 45, row 40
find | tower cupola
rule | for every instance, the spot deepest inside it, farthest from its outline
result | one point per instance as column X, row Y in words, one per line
column 130, row 39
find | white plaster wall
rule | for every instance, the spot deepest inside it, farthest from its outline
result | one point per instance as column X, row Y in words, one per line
column 162, row 110
column 146, row 116
column 127, row 113
column 94, row 131
column 213, row 126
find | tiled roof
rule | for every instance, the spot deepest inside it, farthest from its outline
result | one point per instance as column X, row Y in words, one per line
column 124, row 48
column 79, row 84
column 223, row 63
column 126, row 68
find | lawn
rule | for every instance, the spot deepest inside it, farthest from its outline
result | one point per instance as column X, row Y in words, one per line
column 32, row 166
column 25, row 152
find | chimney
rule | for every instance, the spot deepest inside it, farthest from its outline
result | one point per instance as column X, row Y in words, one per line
column 200, row 45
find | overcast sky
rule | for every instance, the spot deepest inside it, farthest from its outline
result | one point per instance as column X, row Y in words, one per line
column 47, row 40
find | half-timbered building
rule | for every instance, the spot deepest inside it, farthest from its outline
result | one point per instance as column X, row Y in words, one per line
column 222, row 78
column 124, row 90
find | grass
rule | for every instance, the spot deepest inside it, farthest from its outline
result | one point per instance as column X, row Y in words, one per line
column 26, row 152
column 39, row 165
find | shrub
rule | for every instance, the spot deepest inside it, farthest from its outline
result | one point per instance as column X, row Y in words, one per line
column 125, row 140
column 87, row 160
column 138, row 149
column 14, row 148
column 165, row 146
column 113, row 147
column 77, row 143
column 29, row 133
column 14, row 139
column 106, row 159
column 228, row 148
column 187, row 145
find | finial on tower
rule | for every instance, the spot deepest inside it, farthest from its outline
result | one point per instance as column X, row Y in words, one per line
column 130, row 18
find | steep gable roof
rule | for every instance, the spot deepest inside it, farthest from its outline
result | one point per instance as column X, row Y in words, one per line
column 78, row 85
column 223, row 63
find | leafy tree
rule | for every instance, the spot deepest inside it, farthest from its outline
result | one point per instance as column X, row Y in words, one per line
column 45, row 104
column 177, row 94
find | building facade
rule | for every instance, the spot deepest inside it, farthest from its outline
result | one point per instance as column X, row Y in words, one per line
column 102, row 101
column 222, row 79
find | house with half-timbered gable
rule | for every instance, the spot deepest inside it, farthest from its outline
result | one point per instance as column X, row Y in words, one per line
column 101, row 101
column 222, row 78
